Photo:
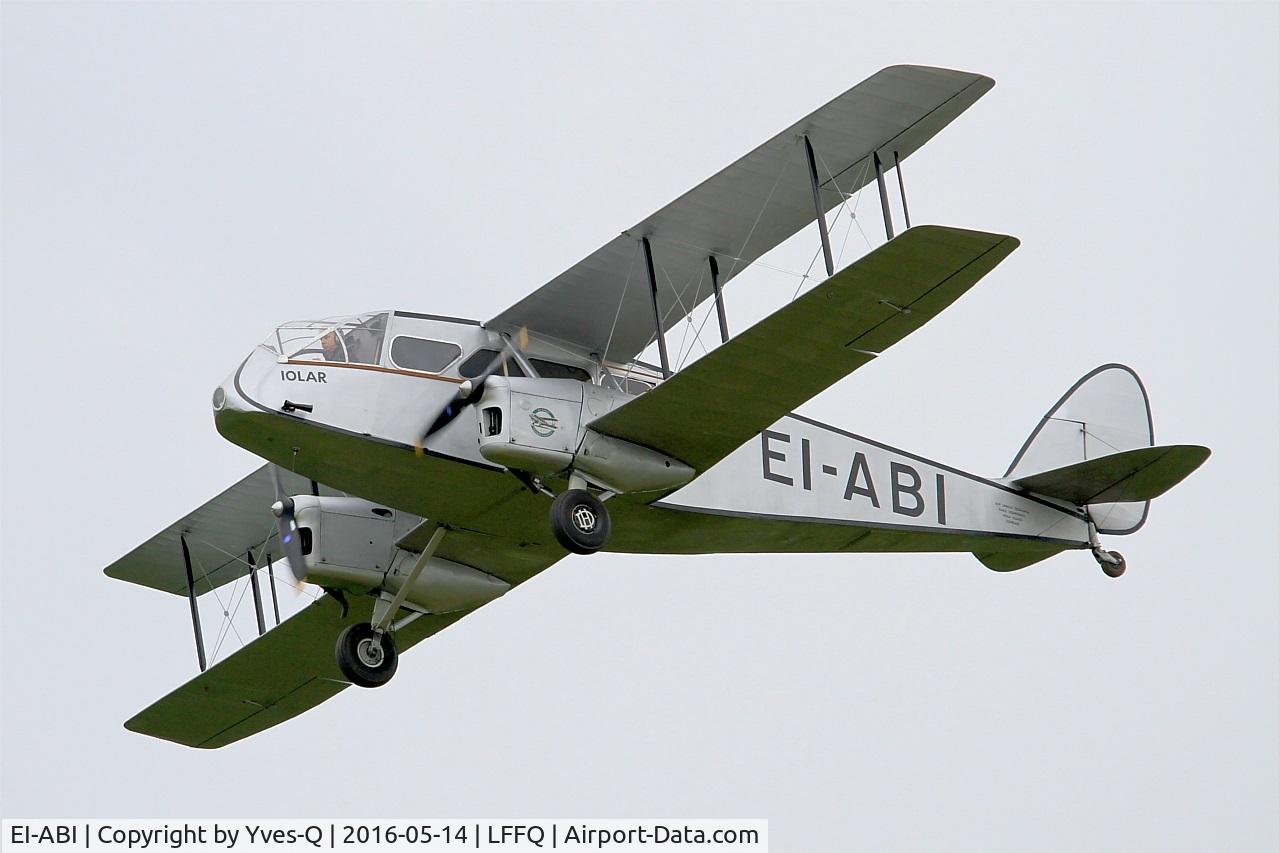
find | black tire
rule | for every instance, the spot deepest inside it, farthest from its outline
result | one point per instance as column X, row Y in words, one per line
column 1114, row 570
column 580, row 521
column 358, row 657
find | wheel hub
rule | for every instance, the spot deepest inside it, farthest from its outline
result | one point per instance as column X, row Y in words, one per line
column 584, row 519
column 369, row 651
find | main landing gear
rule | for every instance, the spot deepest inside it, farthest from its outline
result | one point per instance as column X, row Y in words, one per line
column 366, row 651
column 580, row 521
column 367, row 657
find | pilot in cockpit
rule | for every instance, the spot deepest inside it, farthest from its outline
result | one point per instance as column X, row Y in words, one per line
column 332, row 347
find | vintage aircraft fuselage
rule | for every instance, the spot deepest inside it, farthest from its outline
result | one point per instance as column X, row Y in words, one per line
column 349, row 411
column 327, row 399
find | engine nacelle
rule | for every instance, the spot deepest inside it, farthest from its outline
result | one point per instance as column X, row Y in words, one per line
column 540, row 426
column 350, row 544
column 531, row 425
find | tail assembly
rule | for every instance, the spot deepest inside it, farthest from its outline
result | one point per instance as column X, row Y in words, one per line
column 1096, row 449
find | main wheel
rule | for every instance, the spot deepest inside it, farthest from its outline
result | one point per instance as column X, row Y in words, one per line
column 366, row 659
column 1116, row 569
column 579, row 521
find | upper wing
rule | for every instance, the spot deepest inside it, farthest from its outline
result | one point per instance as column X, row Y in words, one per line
column 291, row 668
column 725, row 398
column 218, row 534
column 603, row 303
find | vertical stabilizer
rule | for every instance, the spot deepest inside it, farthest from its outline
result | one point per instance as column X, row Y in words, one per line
column 1106, row 412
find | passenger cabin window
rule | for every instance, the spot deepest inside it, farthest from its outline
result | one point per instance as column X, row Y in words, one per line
column 480, row 360
column 635, row 387
column 422, row 354
column 555, row 370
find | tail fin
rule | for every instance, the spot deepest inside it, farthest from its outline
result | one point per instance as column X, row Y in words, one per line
column 1096, row 448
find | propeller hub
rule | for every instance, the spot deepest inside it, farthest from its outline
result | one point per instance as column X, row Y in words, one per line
column 280, row 507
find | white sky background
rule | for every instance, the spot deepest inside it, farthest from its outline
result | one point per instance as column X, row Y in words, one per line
column 177, row 179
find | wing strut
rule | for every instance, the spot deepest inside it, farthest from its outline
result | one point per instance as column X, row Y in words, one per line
column 884, row 195
column 271, row 582
column 191, row 597
column 902, row 189
column 657, row 314
column 257, row 593
column 715, row 285
column 384, row 611
column 818, row 210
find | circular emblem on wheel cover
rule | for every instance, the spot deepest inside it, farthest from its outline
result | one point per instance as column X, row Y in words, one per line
column 583, row 518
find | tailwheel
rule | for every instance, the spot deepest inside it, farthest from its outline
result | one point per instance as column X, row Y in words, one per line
column 366, row 657
column 580, row 521
column 1112, row 562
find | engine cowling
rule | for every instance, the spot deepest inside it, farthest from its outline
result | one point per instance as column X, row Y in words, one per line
column 350, row 544
column 542, row 426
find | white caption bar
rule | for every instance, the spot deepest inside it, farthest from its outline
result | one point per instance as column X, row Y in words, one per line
column 396, row 835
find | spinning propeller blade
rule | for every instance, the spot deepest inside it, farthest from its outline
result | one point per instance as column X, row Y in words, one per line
column 290, row 538
column 470, row 390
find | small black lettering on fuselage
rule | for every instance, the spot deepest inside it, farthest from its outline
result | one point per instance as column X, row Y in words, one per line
column 906, row 486
column 302, row 375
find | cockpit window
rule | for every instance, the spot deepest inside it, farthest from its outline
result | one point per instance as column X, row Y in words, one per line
column 354, row 340
column 480, row 360
column 422, row 354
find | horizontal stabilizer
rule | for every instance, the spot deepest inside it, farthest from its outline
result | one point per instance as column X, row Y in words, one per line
column 1133, row 475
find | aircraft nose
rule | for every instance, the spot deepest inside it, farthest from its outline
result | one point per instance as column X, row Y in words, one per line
column 227, row 399
column 230, row 408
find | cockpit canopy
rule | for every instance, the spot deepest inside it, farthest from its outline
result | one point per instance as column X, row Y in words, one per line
column 407, row 342
column 354, row 340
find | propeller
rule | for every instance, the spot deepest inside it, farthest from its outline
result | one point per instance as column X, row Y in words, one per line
column 290, row 538
column 471, row 389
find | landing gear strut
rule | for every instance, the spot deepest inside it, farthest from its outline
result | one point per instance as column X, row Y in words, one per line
column 367, row 650
column 580, row 521
column 366, row 657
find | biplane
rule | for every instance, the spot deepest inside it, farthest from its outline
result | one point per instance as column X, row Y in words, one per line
column 419, row 466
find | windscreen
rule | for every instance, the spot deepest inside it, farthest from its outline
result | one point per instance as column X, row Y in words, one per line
column 353, row 340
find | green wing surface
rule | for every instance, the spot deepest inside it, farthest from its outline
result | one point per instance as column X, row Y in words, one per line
column 291, row 668
column 712, row 407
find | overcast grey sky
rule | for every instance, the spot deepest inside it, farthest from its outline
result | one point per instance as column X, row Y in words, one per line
column 179, row 178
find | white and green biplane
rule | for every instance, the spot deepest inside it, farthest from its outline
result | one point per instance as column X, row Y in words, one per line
column 422, row 465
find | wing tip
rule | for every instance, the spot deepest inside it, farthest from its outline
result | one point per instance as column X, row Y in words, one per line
column 984, row 81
